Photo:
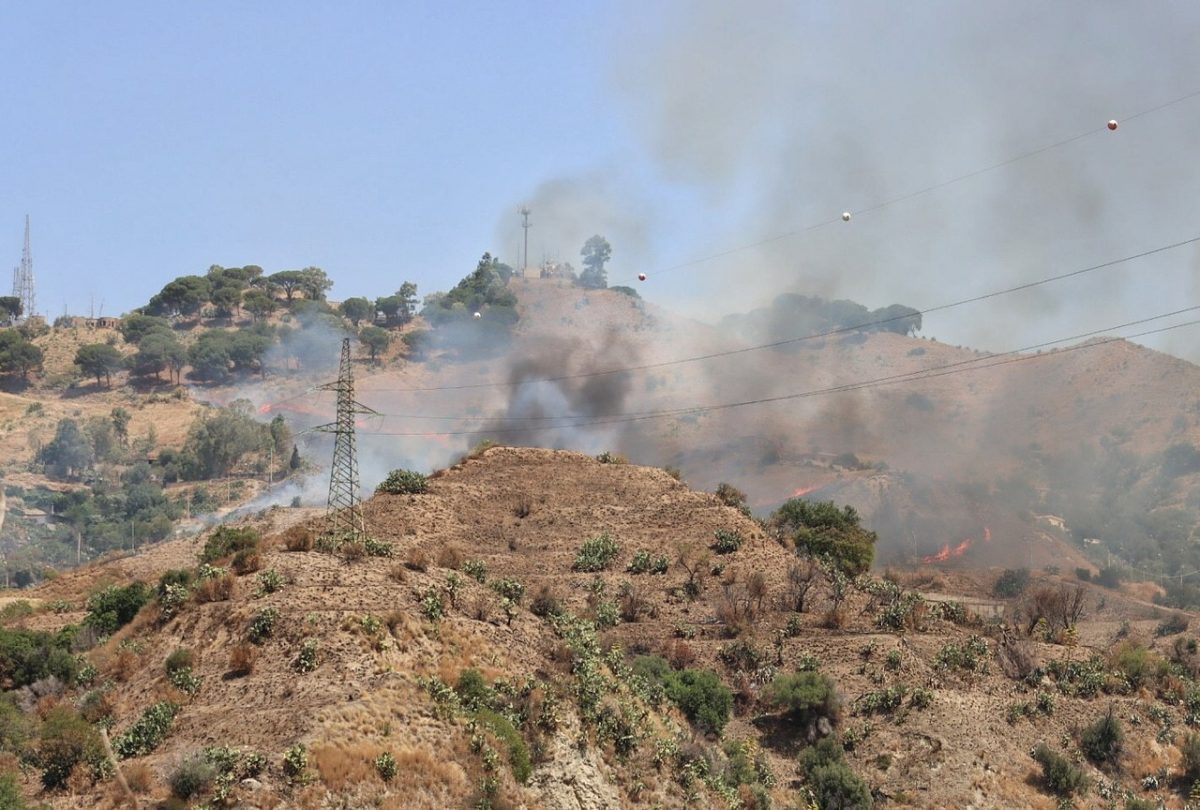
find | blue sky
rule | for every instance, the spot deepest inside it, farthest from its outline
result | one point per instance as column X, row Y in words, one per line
column 394, row 141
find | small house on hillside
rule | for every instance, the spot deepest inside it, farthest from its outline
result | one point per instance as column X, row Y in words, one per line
column 104, row 322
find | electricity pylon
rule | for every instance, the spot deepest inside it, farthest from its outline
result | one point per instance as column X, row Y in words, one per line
column 344, row 514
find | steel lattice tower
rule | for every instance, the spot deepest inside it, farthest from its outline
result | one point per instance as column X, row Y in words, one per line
column 344, row 513
column 23, row 286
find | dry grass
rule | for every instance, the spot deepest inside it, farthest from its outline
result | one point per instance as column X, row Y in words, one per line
column 246, row 561
column 298, row 538
column 340, row 767
column 449, row 557
column 216, row 589
column 138, row 776
column 417, row 560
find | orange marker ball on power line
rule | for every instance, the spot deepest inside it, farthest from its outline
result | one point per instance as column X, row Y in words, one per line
column 1112, row 124
column 845, row 216
column 641, row 276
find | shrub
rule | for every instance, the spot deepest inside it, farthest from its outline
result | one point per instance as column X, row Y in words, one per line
column 1062, row 777
column 192, row 777
column 298, row 538
column 835, row 785
column 1011, row 582
column 431, row 605
column 701, row 696
column 227, row 540
column 826, row 751
column 269, row 581
column 1172, row 625
column 1103, row 740
column 596, row 554
column 1083, row 574
column 385, row 766
column 404, row 482
column 112, row 608
column 821, row 529
column 506, row 732
column 727, row 541
column 643, row 563
column 1109, row 577
column 509, row 589
column 147, row 733
column 171, row 600
column 10, row 791
column 545, row 602
column 803, row 696
column 295, row 761
column 378, row 548
column 306, row 660
column 181, row 658
column 215, row 585
column 66, row 740
column 262, row 625
column 475, row 569
column 730, row 495
column 1190, row 756
column 27, row 656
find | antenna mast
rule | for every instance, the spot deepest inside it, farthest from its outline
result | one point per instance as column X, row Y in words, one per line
column 23, row 286
column 526, row 226
column 344, row 515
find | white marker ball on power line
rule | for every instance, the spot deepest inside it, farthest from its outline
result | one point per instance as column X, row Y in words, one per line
column 845, row 216
column 1112, row 124
column 641, row 276
column 478, row 315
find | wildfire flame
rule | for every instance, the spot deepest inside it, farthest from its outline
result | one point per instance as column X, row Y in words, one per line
column 802, row 491
column 987, row 534
column 947, row 552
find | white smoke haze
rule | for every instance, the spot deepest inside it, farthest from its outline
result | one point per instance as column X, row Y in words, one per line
column 780, row 115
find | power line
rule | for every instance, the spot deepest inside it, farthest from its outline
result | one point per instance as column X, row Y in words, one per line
column 791, row 341
column 963, row 366
column 918, row 192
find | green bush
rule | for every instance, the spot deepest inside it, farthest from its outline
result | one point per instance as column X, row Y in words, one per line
column 148, row 732
column 509, row 589
column 803, row 696
column 192, row 777
column 823, row 530
column 1062, row 777
column 596, row 554
column 475, row 569
column 306, row 660
column 385, row 766
column 295, row 761
column 262, row 626
column 66, row 740
column 518, row 751
column 226, row 541
column 726, row 541
column 836, row 786
column 181, row 658
column 112, row 608
column 10, row 793
column 643, row 563
column 1103, row 740
column 27, row 656
column 826, row 751
column 404, row 482
column 1011, row 582
column 701, row 696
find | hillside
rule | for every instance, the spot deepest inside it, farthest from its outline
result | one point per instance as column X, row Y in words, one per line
column 923, row 725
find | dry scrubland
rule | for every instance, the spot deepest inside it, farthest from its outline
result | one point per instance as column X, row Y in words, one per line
column 932, row 708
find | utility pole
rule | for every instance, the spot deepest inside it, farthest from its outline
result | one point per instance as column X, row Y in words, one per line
column 344, row 515
column 23, row 286
column 526, row 226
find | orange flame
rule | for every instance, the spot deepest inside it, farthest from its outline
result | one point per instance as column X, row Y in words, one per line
column 802, row 491
column 946, row 552
column 987, row 534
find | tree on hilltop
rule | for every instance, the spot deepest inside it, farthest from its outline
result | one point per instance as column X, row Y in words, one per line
column 98, row 360
column 595, row 252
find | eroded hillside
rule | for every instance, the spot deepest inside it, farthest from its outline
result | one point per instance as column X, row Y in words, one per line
column 481, row 642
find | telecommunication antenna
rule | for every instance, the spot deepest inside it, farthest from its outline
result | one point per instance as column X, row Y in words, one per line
column 526, row 226
column 344, row 515
column 23, row 286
